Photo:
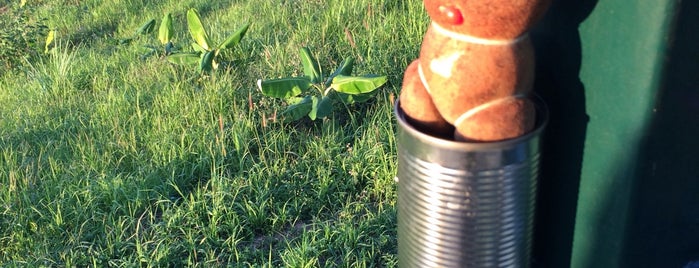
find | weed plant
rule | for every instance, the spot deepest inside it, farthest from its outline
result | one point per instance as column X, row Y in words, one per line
column 108, row 160
column 22, row 35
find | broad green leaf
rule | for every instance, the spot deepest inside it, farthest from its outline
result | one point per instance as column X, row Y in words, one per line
column 184, row 58
column 350, row 99
column 196, row 29
column 207, row 60
column 310, row 65
column 297, row 100
column 314, row 108
column 146, row 28
column 284, row 87
column 345, row 69
column 321, row 108
column 357, row 84
column 325, row 107
column 198, row 48
column 235, row 38
column 49, row 40
column 300, row 108
column 165, row 30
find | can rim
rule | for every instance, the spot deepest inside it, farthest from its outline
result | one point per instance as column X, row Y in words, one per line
column 542, row 118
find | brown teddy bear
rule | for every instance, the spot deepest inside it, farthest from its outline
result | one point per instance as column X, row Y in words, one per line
column 475, row 70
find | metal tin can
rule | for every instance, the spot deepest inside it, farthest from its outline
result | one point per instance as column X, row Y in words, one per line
column 463, row 204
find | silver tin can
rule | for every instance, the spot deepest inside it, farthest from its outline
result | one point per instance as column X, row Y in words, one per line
column 463, row 204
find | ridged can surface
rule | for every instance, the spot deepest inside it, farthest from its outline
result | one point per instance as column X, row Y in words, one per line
column 466, row 204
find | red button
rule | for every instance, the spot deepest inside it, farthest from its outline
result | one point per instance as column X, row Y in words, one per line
column 452, row 14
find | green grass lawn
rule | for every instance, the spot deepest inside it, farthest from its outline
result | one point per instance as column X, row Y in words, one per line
column 107, row 159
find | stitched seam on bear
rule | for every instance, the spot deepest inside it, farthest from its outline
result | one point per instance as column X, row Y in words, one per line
column 476, row 40
column 473, row 111
column 421, row 74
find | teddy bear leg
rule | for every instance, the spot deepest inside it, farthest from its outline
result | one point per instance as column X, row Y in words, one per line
column 497, row 120
column 419, row 109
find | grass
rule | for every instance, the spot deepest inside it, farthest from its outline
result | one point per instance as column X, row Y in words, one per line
column 111, row 160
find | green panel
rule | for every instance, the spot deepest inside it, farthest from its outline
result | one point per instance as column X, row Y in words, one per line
column 623, row 49
column 620, row 173
column 663, row 229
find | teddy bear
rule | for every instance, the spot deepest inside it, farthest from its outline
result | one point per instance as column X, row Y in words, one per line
column 473, row 78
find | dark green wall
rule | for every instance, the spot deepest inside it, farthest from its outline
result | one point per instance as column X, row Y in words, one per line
column 620, row 178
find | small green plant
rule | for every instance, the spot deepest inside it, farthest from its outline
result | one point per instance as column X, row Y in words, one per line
column 165, row 33
column 339, row 87
column 145, row 29
column 206, row 53
column 21, row 35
